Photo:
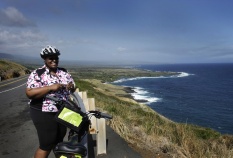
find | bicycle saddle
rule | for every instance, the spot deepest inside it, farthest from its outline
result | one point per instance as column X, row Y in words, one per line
column 71, row 146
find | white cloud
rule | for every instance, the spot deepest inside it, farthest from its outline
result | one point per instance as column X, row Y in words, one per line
column 121, row 49
column 20, row 37
column 14, row 18
column 21, row 41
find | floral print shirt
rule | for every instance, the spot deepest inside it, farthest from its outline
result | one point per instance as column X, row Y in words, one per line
column 46, row 79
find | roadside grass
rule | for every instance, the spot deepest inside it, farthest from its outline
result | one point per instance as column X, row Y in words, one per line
column 149, row 132
column 5, row 64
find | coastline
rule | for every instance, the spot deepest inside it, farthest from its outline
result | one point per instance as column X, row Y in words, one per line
column 148, row 132
column 129, row 91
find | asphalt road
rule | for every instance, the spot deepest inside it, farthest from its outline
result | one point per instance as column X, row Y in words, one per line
column 18, row 136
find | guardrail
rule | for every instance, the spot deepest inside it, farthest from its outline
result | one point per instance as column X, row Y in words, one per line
column 98, row 126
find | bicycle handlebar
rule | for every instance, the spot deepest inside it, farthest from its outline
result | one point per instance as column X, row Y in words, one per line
column 96, row 113
column 104, row 115
column 99, row 114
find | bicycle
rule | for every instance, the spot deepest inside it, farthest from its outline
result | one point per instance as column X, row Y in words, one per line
column 79, row 127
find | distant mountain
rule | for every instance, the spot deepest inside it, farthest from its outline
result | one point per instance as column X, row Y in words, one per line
column 24, row 59
column 20, row 58
column 6, row 56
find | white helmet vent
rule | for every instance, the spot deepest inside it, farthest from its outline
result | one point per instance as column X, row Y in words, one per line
column 49, row 50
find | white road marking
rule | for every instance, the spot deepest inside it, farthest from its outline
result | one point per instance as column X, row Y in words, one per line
column 12, row 88
column 13, row 81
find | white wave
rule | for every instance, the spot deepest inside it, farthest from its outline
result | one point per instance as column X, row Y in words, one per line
column 181, row 74
column 141, row 94
column 140, row 91
column 135, row 78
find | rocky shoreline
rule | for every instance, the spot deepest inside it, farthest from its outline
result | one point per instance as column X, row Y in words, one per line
column 129, row 91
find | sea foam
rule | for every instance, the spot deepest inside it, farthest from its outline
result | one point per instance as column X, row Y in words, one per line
column 143, row 96
column 181, row 74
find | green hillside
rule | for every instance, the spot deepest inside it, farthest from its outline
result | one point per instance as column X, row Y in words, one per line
column 9, row 69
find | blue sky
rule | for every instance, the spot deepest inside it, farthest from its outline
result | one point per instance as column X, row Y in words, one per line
column 129, row 31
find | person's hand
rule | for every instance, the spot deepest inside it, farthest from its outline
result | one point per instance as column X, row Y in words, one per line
column 70, row 87
column 56, row 87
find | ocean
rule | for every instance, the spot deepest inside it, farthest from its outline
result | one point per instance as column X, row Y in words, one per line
column 202, row 94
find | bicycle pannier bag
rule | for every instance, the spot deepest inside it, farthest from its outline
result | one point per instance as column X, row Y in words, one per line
column 71, row 118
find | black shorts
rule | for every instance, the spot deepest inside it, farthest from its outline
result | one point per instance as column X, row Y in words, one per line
column 49, row 131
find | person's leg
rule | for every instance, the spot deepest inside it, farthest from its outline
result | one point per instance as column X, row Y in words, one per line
column 41, row 153
column 47, row 130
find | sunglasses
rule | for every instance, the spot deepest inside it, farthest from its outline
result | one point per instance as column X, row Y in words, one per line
column 53, row 58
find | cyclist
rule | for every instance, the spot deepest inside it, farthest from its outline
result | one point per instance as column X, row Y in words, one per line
column 53, row 81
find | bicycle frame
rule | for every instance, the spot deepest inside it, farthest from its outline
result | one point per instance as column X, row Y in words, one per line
column 73, row 148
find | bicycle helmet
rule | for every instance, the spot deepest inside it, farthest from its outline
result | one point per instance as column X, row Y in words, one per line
column 49, row 50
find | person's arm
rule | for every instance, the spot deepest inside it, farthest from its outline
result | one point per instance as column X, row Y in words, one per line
column 36, row 93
